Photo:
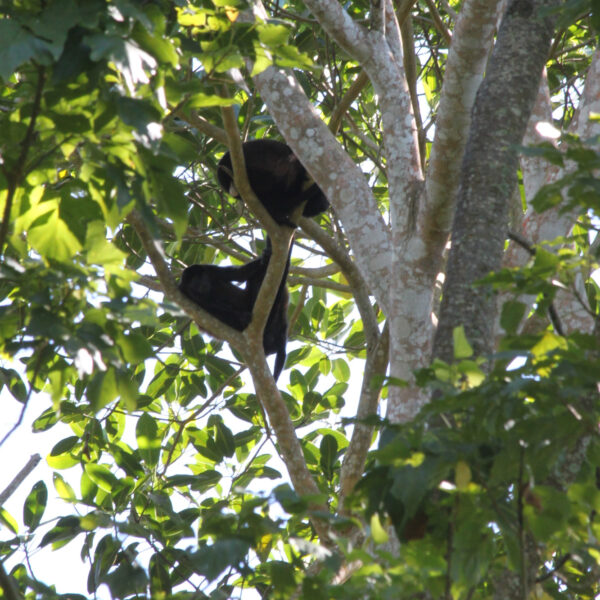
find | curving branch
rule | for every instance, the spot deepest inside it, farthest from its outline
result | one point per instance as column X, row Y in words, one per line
column 202, row 125
column 202, row 318
column 289, row 446
column 467, row 59
column 281, row 237
column 347, row 99
column 362, row 435
column 328, row 164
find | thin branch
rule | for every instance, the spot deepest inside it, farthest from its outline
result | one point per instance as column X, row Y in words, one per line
column 347, row 99
column 322, row 283
column 410, row 68
column 439, row 23
column 202, row 125
column 281, row 237
column 299, row 307
column 362, row 435
column 317, row 272
column 202, row 318
column 352, row 274
column 10, row 489
column 36, row 369
column 557, row 567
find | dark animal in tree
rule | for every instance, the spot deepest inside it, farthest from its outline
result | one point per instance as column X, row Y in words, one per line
column 211, row 287
column 277, row 178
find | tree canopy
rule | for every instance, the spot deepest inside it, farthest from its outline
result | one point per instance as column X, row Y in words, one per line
column 434, row 433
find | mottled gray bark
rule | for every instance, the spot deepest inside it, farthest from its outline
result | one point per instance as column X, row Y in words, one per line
column 489, row 174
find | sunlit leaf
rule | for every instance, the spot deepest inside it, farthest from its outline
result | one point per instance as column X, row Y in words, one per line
column 35, row 505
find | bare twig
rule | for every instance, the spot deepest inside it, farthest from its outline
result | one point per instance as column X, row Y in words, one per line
column 410, row 68
column 202, row 125
column 362, row 435
column 352, row 274
column 10, row 489
column 439, row 23
column 348, row 98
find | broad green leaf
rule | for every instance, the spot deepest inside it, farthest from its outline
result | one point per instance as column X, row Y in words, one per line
column 35, row 505
column 17, row 46
column 135, row 347
column 54, row 240
column 462, row 475
column 462, row 348
column 8, row 521
column 102, row 476
column 64, row 490
column 512, row 315
column 273, row 35
column 148, row 440
column 378, row 532
column 100, row 251
column 200, row 100
column 328, row 450
column 62, row 533
column 102, row 389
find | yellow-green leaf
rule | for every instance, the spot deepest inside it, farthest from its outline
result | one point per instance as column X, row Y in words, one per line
column 462, row 348
column 378, row 532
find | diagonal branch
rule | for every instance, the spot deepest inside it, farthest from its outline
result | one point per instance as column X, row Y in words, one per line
column 467, row 59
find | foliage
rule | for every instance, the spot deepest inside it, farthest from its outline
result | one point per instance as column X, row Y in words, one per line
column 499, row 459
column 178, row 489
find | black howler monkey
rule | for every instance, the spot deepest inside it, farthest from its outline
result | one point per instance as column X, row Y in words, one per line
column 277, row 178
column 210, row 287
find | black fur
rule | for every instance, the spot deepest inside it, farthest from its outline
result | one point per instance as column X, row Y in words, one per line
column 210, row 287
column 277, row 178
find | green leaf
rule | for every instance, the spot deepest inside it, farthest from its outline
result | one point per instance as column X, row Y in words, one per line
column 272, row 35
column 62, row 461
column 102, row 476
column 328, row 449
column 102, row 389
column 162, row 49
column 54, row 240
column 224, row 439
column 512, row 315
column 7, row 519
column 137, row 113
column 341, row 370
column 135, row 348
column 13, row 381
column 35, row 505
column 148, row 440
column 100, row 251
column 211, row 561
column 63, row 532
column 200, row 100
column 378, row 532
column 462, row 348
column 60, row 456
column 126, row 580
column 64, row 490
column 17, row 46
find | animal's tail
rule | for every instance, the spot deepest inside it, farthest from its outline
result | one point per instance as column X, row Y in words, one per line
column 279, row 362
